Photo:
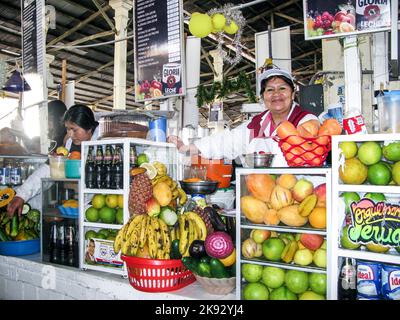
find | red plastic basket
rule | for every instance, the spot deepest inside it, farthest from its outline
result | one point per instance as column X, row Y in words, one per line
column 305, row 152
column 153, row 275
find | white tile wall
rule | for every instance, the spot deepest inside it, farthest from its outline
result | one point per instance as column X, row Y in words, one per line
column 21, row 278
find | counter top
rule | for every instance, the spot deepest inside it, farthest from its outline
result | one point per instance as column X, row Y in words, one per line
column 27, row 277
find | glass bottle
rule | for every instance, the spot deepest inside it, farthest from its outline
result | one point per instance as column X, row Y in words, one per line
column 53, row 250
column 90, row 176
column 99, row 167
column 107, row 167
column 347, row 280
column 132, row 157
column 117, row 170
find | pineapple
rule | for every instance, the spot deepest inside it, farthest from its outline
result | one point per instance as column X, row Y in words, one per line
column 141, row 190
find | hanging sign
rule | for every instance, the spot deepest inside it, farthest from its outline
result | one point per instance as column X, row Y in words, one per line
column 375, row 222
column 328, row 18
column 159, row 63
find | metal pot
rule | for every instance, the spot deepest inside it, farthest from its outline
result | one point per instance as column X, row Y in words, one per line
column 258, row 160
column 200, row 187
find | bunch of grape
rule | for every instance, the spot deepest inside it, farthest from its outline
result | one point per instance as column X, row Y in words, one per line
column 323, row 21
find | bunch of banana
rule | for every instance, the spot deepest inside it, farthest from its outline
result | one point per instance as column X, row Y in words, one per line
column 160, row 167
column 191, row 227
column 141, row 230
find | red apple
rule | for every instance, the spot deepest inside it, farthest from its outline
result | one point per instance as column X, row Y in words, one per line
column 343, row 16
column 259, row 235
column 302, row 189
column 153, row 207
column 320, row 192
column 311, row 241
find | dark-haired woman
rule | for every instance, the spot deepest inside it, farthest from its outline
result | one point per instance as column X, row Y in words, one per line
column 81, row 126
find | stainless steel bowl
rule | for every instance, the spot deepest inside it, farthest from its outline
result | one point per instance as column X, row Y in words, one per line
column 256, row 160
column 200, row 187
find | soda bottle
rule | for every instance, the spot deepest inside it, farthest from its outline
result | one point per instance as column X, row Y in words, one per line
column 70, row 245
column 107, row 167
column 90, row 170
column 347, row 280
column 117, row 170
column 132, row 157
column 53, row 244
column 61, row 244
column 98, row 169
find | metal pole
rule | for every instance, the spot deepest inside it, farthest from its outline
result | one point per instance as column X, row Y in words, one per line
column 244, row 5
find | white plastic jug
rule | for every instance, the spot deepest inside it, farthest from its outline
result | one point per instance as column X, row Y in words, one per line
column 389, row 112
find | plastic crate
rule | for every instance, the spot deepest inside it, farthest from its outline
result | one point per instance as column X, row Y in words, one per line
column 153, row 275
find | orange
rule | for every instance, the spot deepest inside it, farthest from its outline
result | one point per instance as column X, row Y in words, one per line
column 229, row 260
column 317, row 218
column 75, row 155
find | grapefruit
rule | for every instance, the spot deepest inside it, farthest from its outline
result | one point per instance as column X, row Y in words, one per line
column 273, row 277
column 107, row 215
column 273, row 248
column 346, row 242
column 369, row 152
column 252, row 272
column 318, row 283
column 255, row 291
column 379, row 174
column 282, row 293
column 349, row 149
column 310, row 295
column 120, row 201
column 112, row 200
column 296, row 281
column 99, row 201
column 353, row 172
column 92, row 214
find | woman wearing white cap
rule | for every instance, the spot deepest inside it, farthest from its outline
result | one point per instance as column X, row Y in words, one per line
column 278, row 93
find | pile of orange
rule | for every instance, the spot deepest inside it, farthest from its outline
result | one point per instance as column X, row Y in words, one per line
column 74, row 155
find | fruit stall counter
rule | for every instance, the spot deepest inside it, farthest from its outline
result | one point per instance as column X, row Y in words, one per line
column 29, row 278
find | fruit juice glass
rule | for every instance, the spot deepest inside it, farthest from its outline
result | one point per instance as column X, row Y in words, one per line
column 57, row 167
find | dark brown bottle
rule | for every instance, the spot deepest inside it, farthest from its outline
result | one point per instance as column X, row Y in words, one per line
column 99, row 168
column 117, row 170
column 108, row 157
column 90, row 176
column 347, row 280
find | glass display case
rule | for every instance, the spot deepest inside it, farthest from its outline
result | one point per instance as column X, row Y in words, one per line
column 60, row 221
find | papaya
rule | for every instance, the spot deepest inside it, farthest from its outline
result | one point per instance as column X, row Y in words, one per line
column 260, row 186
column 291, row 217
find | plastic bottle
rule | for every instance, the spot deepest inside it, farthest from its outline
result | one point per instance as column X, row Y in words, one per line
column 347, row 280
column 353, row 122
column 89, row 170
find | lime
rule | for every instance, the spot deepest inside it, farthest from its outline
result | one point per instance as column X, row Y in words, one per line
column 119, row 217
column 100, row 236
column 379, row 174
column 273, row 277
column 90, row 234
column 346, row 242
column 318, row 282
column 348, row 198
column 92, row 214
column 369, row 152
column 282, row 293
column 392, row 151
column 374, row 196
column 142, row 158
column 104, row 232
column 296, row 281
column 151, row 170
column 252, row 272
column 349, row 149
column 310, row 295
column 107, row 215
column 111, row 237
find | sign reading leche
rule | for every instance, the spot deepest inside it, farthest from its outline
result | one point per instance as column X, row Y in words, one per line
column 171, row 79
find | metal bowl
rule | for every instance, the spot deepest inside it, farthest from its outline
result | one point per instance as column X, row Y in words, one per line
column 259, row 160
column 200, row 187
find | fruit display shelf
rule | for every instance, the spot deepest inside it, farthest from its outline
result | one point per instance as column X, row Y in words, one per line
column 156, row 151
column 243, row 226
column 391, row 192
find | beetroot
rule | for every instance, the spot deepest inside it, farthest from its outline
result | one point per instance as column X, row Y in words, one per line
column 219, row 245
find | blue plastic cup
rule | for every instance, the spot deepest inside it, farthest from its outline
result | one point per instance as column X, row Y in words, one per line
column 158, row 130
column 73, row 168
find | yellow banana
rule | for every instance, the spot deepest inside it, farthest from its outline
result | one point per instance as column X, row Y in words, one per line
column 143, row 230
column 134, row 241
column 165, row 235
column 175, row 194
column 125, row 248
column 183, row 234
column 172, row 233
column 118, row 242
column 190, row 237
column 177, row 231
column 137, row 219
column 151, row 239
column 200, row 224
column 160, row 254
column 174, row 185
column 182, row 196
